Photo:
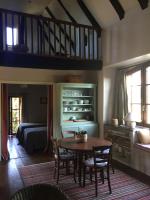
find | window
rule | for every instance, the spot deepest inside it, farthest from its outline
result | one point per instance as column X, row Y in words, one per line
column 138, row 89
column 12, row 36
column 15, row 113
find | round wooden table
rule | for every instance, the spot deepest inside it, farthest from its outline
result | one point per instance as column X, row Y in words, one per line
column 82, row 148
column 75, row 145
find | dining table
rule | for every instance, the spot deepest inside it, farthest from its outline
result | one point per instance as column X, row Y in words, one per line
column 82, row 149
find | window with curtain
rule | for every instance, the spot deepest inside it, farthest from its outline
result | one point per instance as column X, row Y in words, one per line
column 138, row 90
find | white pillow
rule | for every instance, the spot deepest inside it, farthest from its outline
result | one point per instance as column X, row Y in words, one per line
column 144, row 136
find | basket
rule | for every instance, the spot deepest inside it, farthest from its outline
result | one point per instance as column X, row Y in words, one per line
column 73, row 79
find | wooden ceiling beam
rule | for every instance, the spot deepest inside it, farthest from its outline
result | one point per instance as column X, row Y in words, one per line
column 118, row 8
column 89, row 16
column 143, row 3
column 67, row 12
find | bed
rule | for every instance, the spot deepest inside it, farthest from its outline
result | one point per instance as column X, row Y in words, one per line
column 35, row 138
column 23, row 126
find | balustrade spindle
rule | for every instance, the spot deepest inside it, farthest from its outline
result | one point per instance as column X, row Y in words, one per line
column 80, row 42
column 84, row 44
column 70, row 39
column 88, row 43
column 1, row 31
column 65, row 39
column 75, row 41
column 31, row 21
column 44, row 36
column 93, row 43
column 5, row 31
column 12, row 21
column 54, row 39
column 49, row 37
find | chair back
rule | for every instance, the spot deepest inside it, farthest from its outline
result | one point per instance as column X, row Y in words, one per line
column 102, row 155
column 68, row 133
column 55, row 144
column 57, row 149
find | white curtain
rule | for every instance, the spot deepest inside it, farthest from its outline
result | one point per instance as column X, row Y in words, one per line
column 120, row 96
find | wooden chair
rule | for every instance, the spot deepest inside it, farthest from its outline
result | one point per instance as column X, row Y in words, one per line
column 39, row 192
column 111, row 159
column 68, row 134
column 63, row 160
column 98, row 163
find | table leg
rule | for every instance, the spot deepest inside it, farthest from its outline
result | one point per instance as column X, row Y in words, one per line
column 80, row 169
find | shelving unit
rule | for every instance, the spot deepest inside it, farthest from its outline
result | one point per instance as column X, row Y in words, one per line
column 77, row 106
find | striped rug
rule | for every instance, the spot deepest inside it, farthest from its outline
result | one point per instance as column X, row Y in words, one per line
column 124, row 187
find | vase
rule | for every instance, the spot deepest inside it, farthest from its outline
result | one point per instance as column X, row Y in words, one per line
column 85, row 137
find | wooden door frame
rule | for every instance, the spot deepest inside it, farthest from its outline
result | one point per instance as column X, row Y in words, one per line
column 19, row 83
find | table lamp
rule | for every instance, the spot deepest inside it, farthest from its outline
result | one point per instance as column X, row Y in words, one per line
column 130, row 120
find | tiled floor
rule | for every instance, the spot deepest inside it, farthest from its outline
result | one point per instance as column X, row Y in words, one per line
column 10, row 179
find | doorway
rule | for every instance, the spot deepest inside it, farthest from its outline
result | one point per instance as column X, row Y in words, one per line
column 15, row 113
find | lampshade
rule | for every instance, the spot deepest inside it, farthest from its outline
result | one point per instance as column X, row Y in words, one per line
column 129, row 117
column 130, row 120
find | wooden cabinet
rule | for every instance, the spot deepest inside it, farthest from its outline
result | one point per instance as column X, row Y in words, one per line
column 126, row 149
column 77, row 106
column 121, row 137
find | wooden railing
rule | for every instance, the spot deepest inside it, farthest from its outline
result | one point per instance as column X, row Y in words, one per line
column 37, row 35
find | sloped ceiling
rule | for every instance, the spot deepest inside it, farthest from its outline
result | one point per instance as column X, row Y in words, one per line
column 27, row 6
column 102, row 10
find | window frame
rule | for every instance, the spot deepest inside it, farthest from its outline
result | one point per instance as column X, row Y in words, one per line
column 143, row 68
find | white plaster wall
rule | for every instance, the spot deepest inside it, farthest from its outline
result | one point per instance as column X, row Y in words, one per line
column 100, row 103
column 127, row 39
column 21, row 75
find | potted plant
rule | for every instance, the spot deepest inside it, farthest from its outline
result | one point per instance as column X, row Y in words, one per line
column 81, row 135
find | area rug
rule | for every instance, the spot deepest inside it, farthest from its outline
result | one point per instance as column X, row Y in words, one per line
column 124, row 187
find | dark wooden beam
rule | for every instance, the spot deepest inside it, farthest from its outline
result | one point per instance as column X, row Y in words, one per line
column 21, row 60
column 89, row 16
column 67, row 12
column 143, row 3
column 22, row 30
column 61, row 29
column 118, row 8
